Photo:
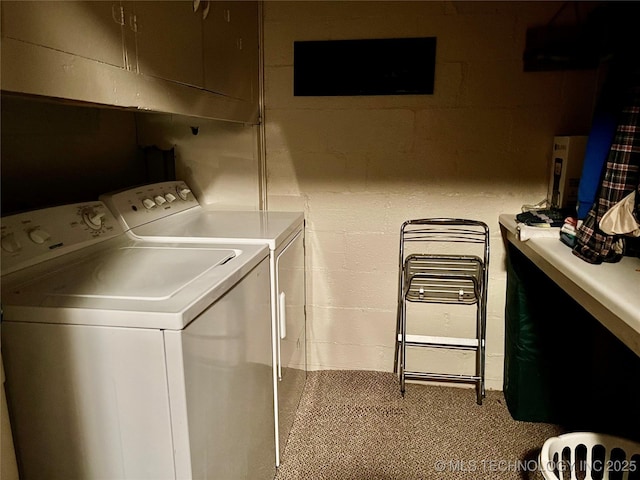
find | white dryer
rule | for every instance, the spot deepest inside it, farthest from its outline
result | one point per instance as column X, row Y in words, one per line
column 133, row 360
column 168, row 211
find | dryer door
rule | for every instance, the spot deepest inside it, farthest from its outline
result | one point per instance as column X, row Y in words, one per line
column 291, row 337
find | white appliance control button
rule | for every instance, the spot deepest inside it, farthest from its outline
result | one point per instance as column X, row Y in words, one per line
column 39, row 236
column 10, row 243
column 160, row 200
column 183, row 193
column 170, row 197
column 92, row 219
column 148, row 203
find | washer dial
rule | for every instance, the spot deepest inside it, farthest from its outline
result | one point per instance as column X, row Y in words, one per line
column 92, row 219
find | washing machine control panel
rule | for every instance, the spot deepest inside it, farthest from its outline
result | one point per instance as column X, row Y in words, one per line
column 144, row 204
column 33, row 237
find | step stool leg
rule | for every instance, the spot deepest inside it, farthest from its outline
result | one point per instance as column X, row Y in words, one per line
column 482, row 343
column 479, row 374
column 396, row 353
column 403, row 344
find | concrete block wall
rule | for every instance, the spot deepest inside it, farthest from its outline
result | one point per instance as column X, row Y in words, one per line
column 359, row 166
column 217, row 159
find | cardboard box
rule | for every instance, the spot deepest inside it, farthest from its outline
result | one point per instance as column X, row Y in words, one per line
column 566, row 170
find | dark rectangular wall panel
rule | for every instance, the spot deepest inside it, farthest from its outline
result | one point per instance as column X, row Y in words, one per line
column 391, row 66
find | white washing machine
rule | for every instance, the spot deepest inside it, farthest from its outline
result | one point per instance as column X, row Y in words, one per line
column 168, row 211
column 131, row 360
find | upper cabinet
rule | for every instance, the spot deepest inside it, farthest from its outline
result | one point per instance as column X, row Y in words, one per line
column 196, row 58
column 168, row 40
column 230, row 39
column 88, row 29
column 211, row 45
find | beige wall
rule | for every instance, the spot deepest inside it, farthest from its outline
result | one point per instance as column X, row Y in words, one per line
column 219, row 163
column 54, row 153
column 359, row 166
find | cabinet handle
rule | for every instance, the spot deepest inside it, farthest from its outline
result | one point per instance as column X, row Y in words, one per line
column 205, row 11
column 196, row 5
column 117, row 13
column 133, row 22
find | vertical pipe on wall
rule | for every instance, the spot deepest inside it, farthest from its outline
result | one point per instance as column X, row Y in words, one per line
column 262, row 149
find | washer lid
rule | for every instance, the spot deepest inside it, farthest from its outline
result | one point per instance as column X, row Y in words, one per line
column 149, row 273
column 125, row 283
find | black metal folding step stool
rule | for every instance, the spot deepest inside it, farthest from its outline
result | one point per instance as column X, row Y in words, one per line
column 448, row 264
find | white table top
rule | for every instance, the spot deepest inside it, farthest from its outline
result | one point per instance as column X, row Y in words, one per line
column 609, row 291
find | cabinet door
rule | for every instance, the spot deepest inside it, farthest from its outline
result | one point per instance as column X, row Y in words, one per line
column 231, row 49
column 88, row 29
column 169, row 41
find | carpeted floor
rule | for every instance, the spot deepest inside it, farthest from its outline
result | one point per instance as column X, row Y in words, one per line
column 355, row 425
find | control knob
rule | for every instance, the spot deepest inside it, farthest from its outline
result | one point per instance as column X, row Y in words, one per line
column 10, row 243
column 39, row 236
column 183, row 192
column 148, row 203
column 92, row 219
column 159, row 199
column 170, row 197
